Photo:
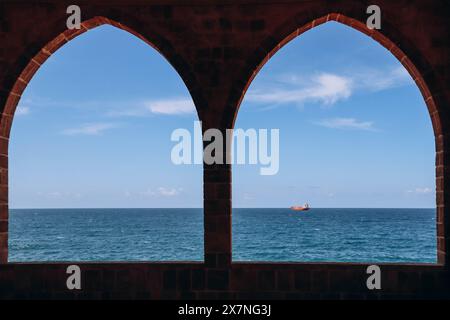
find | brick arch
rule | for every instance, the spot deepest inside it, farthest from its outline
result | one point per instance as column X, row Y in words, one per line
column 427, row 87
column 37, row 60
column 26, row 74
column 271, row 46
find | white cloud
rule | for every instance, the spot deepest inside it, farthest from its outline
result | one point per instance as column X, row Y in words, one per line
column 325, row 88
column 420, row 191
column 168, row 192
column 162, row 192
column 171, row 106
column 328, row 88
column 176, row 105
column 90, row 129
column 378, row 80
column 346, row 123
column 22, row 110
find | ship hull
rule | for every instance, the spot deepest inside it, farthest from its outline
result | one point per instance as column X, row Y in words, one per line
column 299, row 208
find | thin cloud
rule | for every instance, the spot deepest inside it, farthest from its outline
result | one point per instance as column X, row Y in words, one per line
column 171, row 106
column 22, row 111
column 420, row 191
column 91, row 129
column 162, row 192
column 329, row 88
column 346, row 123
column 325, row 88
column 378, row 80
column 168, row 192
column 130, row 108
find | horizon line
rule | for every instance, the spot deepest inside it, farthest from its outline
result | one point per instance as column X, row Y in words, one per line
column 90, row 208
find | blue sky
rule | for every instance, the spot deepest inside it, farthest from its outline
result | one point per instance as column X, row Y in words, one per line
column 93, row 128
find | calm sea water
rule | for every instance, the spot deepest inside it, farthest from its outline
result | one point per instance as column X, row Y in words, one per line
column 358, row 235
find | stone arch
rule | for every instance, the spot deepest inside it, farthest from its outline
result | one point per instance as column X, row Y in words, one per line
column 37, row 60
column 419, row 71
column 24, row 76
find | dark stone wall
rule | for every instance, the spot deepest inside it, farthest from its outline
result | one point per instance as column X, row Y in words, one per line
column 217, row 47
column 239, row 281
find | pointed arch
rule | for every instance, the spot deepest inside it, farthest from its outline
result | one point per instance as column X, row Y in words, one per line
column 18, row 78
column 428, row 86
column 39, row 59
column 271, row 46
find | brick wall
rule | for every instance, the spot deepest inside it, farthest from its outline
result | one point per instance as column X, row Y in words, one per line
column 217, row 47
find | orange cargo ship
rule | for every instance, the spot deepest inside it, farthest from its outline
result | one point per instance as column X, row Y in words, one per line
column 301, row 208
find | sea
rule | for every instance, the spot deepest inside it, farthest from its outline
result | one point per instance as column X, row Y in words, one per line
column 269, row 234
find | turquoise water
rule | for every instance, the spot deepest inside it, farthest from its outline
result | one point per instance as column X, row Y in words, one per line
column 358, row 235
